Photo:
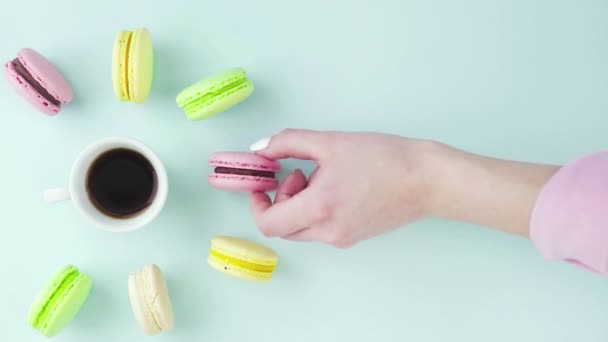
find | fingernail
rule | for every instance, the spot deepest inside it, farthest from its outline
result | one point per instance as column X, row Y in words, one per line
column 260, row 144
column 298, row 171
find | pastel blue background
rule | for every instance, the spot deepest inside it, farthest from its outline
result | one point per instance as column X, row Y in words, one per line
column 515, row 79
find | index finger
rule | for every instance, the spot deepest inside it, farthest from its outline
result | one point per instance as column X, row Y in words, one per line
column 295, row 143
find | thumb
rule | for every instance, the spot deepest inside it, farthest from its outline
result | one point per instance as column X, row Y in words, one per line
column 293, row 143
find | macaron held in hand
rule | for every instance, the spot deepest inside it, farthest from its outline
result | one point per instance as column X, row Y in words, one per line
column 59, row 301
column 242, row 259
column 132, row 65
column 245, row 172
column 215, row 94
column 38, row 81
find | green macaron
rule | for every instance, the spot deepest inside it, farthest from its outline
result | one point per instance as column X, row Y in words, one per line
column 215, row 94
column 59, row 301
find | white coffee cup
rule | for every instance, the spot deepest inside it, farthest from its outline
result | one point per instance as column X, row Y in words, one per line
column 77, row 190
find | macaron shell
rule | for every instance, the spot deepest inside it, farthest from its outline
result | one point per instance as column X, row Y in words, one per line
column 160, row 303
column 46, row 74
column 246, row 250
column 244, row 160
column 120, row 66
column 242, row 183
column 209, row 84
column 219, row 103
column 143, row 316
column 29, row 93
column 239, row 272
column 67, row 306
column 150, row 300
column 141, row 66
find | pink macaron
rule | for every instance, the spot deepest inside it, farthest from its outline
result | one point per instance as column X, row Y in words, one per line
column 239, row 171
column 38, row 81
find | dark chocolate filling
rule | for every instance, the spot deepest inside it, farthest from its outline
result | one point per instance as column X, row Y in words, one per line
column 244, row 172
column 22, row 71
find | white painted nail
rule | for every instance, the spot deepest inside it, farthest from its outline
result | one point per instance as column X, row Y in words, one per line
column 260, row 144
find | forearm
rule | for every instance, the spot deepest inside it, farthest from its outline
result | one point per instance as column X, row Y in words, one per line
column 490, row 192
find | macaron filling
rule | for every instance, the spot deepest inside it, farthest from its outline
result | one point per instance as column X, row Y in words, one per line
column 241, row 263
column 244, row 172
column 29, row 79
column 124, row 64
column 227, row 89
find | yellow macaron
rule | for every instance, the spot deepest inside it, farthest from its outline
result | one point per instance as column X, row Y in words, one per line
column 242, row 258
column 132, row 65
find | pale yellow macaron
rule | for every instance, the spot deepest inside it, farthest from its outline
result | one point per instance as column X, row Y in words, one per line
column 150, row 300
column 132, row 65
column 242, row 258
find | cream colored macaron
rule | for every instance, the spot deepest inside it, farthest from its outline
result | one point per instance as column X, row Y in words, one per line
column 150, row 300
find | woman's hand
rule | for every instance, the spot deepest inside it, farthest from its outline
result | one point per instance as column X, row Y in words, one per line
column 365, row 184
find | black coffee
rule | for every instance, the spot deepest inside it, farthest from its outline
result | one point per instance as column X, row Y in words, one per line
column 121, row 183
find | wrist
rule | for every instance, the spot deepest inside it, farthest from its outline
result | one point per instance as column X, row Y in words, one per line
column 485, row 191
column 438, row 169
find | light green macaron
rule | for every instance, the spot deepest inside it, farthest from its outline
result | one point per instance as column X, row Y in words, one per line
column 59, row 301
column 215, row 94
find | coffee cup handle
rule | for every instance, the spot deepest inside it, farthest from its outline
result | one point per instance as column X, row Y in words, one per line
column 56, row 195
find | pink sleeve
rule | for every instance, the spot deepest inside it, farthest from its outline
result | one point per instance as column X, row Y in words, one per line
column 570, row 218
